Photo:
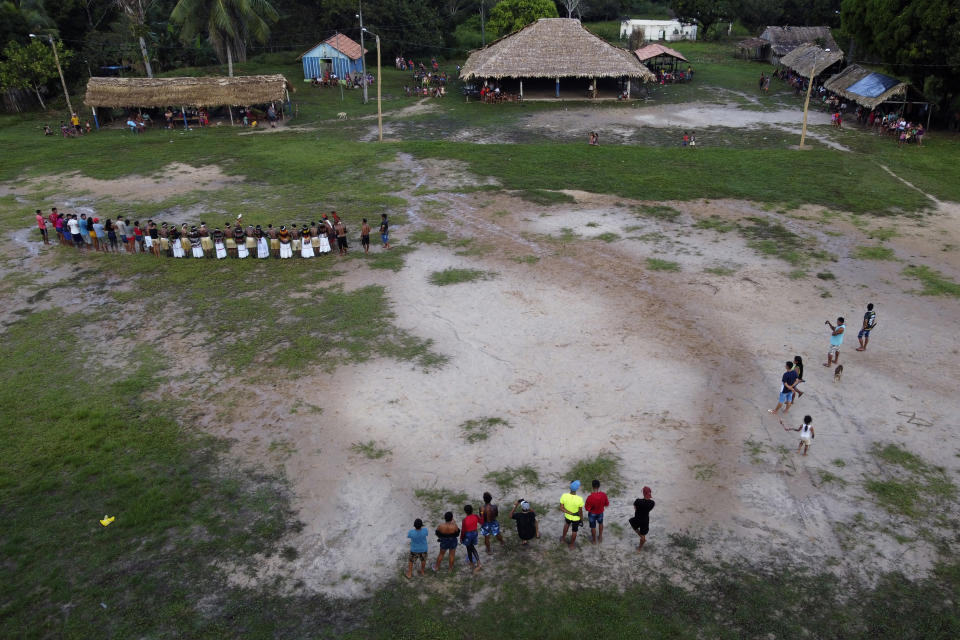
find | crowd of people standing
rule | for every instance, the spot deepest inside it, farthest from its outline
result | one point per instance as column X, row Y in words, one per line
column 233, row 240
column 485, row 522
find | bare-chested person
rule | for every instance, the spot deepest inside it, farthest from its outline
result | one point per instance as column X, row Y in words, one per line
column 341, row 237
column 229, row 241
column 365, row 236
column 489, row 525
column 274, row 242
column 447, row 533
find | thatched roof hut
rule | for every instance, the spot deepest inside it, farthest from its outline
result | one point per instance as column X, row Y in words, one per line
column 783, row 40
column 192, row 92
column 653, row 50
column 553, row 48
column 753, row 48
column 865, row 87
column 809, row 60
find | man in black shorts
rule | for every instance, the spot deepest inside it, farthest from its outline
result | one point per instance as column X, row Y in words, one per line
column 641, row 518
column 527, row 525
column 341, row 230
column 365, row 236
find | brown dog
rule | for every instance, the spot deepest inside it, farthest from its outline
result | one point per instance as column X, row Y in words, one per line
column 838, row 373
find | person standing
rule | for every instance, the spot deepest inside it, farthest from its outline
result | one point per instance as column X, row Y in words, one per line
column 240, row 237
column 74, row 225
column 153, row 236
column 806, row 434
column 365, row 236
column 285, row 239
column 42, row 223
column 572, row 507
column 306, row 245
column 138, row 237
column 111, row 230
column 384, row 231
column 100, row 241
column 219, row 243
column 121, row 226
column 836, row 339
column 418, row 547
column 869, row 322
column 85, row 224
column 595, row 504
column 527, row 525
column 640, row 522
column 196, row 243
column 341, row 237
column 469, row 537
column 788, row 381
column 490, row 526
column 798, row 367
column 447, row 533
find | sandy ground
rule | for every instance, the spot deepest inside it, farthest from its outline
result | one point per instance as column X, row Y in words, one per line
column 587, row 350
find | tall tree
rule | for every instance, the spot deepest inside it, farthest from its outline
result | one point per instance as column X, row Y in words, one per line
column 136, row 12
column 916, row 38
column 229, row 24
column 705, row 12
column 31, row 66
column 571, row 6
column 510, row 15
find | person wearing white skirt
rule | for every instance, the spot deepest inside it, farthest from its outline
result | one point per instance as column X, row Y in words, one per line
column 306, row 247
column 196, row 243
column 324, row 246
column 263, row 249
column 241, row 238
column 175, row 244
column 219, row 247
column 286, row 251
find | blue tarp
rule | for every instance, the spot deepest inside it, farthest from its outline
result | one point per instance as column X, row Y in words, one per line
column 873, row 85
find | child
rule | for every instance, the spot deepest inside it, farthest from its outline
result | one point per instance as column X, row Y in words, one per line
column 47, row 131
column 418, row 547
column 693, row 140
column 686, row 139
column 806, row 434
column 469, row 536
column 798, row 367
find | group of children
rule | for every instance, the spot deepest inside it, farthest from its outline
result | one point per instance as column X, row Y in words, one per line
column 233, row 240
column 486, row 523
column 793, row 376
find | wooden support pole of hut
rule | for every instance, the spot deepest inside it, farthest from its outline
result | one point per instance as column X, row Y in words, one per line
column 97, row 122
column 628, row 88
column 594, row 87
column 521, row 91
column 230, row 111
column 183, row 112
column 558, row 87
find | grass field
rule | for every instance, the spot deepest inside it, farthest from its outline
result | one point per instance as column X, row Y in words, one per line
column 85, row 434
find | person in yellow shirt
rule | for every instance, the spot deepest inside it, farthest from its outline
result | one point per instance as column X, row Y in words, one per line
column 572, row 507
column 75, row 121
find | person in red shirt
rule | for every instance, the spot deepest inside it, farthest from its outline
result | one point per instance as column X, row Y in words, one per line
column 469, row 537
column 42, row 223
column 596, row 503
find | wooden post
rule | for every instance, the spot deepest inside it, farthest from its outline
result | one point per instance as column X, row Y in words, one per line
column 628, row 88
column 183, row 112
column 521, row 90
column 230, row 111
column 379, row 111
column 594, row 88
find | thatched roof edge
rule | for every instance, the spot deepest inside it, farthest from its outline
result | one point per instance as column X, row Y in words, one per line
column 194, row 92
column 809, row 60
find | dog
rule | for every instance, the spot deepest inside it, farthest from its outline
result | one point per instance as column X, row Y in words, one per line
column 838, row 373
column 342, row 115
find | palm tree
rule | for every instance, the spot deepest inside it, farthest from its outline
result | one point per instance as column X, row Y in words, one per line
column 136, row 11
column 229, row 24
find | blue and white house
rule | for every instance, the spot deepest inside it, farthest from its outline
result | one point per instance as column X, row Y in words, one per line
column 337, row 54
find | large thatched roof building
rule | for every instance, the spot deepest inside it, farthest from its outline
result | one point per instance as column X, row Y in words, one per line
column 187, row 92
column 783, row 40
column 809, row 60
column 554, row 49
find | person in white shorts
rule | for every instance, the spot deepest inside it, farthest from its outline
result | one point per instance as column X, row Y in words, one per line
column 806, row 434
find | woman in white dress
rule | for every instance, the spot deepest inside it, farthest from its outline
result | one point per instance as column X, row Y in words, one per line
column 196, row 244
column 241, row 238
column 323, row 245
column 218, row 243
column 306, row 247
column 175, row 244
column 263, row 249
column 286, row 251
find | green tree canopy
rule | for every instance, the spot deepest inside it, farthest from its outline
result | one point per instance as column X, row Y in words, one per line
column 919, row 39
column 511, row 15
column 229, row 24
column 30, row 66
column 706, row 13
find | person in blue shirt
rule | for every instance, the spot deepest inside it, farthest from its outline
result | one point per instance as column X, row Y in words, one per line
column 836, row 339
column 418, row 547
column 787, row 384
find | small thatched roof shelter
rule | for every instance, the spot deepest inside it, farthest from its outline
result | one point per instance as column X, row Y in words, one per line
column 753, row 48
column 809, row 60
column 865, row 87
column 192, row 92
column 553, row 48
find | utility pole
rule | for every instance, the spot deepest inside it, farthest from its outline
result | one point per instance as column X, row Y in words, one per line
column 363, row 53
column 483, row 32
column 56, row 57
column 806, row 103
column 379, row 112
